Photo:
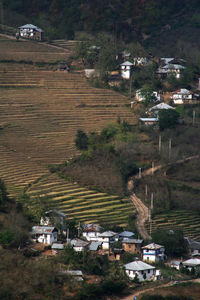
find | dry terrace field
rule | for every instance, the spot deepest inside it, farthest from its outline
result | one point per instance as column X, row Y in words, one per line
column 40, row 113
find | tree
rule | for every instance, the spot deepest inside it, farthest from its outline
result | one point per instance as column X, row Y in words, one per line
column 3, row 192
column 172, row 240
column 168, row 118
column 81, row 140
column 147, row 93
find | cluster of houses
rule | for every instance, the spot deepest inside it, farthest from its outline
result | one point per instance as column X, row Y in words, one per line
column 100, row 242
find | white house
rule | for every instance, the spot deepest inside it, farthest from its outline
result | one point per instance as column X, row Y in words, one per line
column 106, row 238
column 141, row 61
column 53, row 217
column 79, row 245
column 142, row 270
column 31, row 31
column 45, row 234
column 140, row 96
column 148, row 121
column 153, row 252
column 91, row 231
column 192, row 263
column 126, row 69
column 155, row 109
column 182, row 96
column 171, row 69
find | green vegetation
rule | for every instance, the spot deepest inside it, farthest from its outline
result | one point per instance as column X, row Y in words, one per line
column 168, row 118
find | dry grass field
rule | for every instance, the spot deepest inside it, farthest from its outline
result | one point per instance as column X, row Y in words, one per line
column 41, row 111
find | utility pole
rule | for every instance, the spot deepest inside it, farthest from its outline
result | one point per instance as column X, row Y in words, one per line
column 170, row 148
column 150, row 222
column 146, row 191
column 193, row 117
column 140, row 172
column 152, row 167
column 152, row 201
column 159, row 143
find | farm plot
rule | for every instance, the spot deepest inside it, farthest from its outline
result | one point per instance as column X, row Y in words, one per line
column 81, row 203
column 187, row 221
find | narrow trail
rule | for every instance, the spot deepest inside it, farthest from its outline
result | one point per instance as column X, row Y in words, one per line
column 141, row 208
column 151, row 289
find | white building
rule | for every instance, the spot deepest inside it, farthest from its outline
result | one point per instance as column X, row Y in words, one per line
column 126, row 69
column 192, row 263
column 91, row 231
column 140, row 96
column 153, row 253
column 106, row 238
column 31, row 31
column 182, row 96
column 79, row 245
column 45, row 234
column 171, row 69
column 142, row 270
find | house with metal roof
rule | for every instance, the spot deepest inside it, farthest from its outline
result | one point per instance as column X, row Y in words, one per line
column 78, row 244
column 126, row 69
column 95, row 246
column 160, row 106
column 148, row 121
column 184, row 96
column 142, row 270
column 44, row 234
column 170, row 69
column 192, row 263
column 153, row 252
column 107, row 238
column 132, row 245
column 30, row 31
column 91, row 231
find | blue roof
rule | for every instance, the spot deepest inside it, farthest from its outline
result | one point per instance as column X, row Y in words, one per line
column 126, row 234
column 94, row 246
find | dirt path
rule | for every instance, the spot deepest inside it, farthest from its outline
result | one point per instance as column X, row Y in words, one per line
column 141, row 208
column 171, row 283
column 142, row 212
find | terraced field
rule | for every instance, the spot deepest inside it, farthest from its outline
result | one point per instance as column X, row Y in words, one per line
column 81, row 203
column 188, row 221
column 40, row 113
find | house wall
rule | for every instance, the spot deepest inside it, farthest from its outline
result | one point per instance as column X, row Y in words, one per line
column 132, row 248
column 150, row 274
column 47, row 238
column 153, row 255
column 91, row 236
column 126, row 72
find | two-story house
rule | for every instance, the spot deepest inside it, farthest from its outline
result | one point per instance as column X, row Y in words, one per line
column 45, row 234
column 107, row 238
column 91, row 231
column 153, row 253
column 142, row 270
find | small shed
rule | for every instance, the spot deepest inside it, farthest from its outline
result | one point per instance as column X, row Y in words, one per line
column 31, row 31
column 148, row 121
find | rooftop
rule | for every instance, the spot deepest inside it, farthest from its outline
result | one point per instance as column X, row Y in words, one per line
column 138, row 266
column 152, row 246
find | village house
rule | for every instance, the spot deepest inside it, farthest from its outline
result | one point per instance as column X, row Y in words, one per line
column 192, row 263
column 45, row 234
column 153, row 253
column 193, row 247
column 141, row 270
column 141, row 61
column 95, row 246
column 76, row 274
column 79, row 245
column 155, row 109
column 31, row 31
column 126, row 69
column 170, row 69
column 132, row 245
column 175, row 264
column 148, row 121
column 156, row 97
column 107, row 238
column 184, row 96
column 91, row 231
column 124, row 234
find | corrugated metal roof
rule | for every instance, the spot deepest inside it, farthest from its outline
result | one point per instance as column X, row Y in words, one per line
column 161, row 106
column 57, row 246
column 126, row 63
column 153, row 246
column 148, row 119
column 107, row 234
column 126, row 234
column 131, row 241
column 78, row 243
column 94, row 246
column 31, row 26
column 138, row 266
column 192, row 262
column 43, row 229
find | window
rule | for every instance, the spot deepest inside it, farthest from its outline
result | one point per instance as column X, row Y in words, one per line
column 149, row 271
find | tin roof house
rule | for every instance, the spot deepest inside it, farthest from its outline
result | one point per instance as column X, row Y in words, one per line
column 142, row 270
column 153, row 252
column 126, row 69
column 30, row 31
column 44, row 234
column 91, row 231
